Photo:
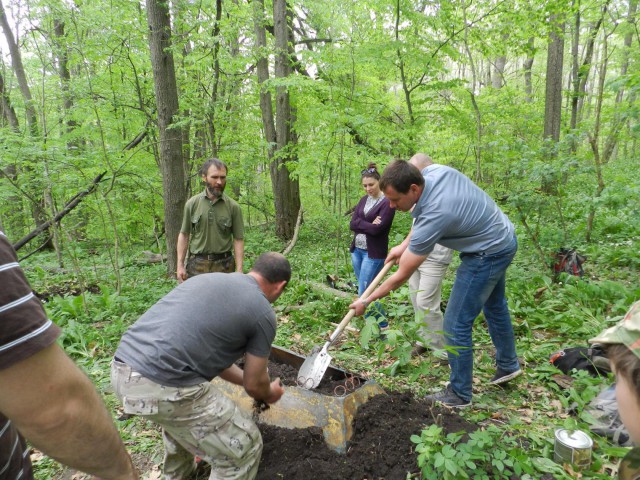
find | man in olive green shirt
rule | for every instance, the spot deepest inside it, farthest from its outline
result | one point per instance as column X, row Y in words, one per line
column 211, row 226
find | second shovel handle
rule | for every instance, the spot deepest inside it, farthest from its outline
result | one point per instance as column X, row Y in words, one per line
column 372, row 286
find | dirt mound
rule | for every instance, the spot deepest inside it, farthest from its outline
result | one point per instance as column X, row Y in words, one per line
column 379, row 449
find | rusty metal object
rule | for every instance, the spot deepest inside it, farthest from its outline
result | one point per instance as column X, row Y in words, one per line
column 303, row 408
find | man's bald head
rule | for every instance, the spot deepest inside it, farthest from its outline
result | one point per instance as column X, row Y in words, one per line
column 421, row 160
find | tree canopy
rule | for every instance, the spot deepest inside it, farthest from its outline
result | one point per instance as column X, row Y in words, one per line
column 298, row 97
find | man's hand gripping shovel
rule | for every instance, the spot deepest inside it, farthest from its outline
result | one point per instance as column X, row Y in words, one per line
column 316, row 364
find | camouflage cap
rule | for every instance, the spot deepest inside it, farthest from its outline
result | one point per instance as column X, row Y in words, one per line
column 626, row 332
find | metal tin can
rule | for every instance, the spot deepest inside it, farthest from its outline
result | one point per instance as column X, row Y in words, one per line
column 574, row 447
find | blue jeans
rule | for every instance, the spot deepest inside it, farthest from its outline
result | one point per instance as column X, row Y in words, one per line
column 479, row 287
column 366, row 270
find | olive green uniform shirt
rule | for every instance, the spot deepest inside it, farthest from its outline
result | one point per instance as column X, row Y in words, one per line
column 212, row 226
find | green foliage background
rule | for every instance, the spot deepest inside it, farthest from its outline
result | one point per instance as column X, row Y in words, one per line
column 379, row 81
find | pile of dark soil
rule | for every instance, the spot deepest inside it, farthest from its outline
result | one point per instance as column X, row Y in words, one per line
column 380, row 448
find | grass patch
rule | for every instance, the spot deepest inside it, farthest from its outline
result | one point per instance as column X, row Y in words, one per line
column 518, row 420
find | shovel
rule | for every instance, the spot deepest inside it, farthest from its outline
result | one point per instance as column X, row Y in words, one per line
column 316, row 364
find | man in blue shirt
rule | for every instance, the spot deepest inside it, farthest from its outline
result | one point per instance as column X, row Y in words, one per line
column 454, row 212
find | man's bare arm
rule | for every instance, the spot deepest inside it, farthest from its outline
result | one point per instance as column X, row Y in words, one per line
column 57, row 408
column 409, row 263
column 257, row 382
column 233, row 374
column 396, row 252
column 182, row 248
column 238, row 253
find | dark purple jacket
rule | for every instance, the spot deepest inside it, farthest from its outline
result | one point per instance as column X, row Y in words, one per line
column 377, row 235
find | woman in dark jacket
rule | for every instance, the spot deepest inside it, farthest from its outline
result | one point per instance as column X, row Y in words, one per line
column 370, row 223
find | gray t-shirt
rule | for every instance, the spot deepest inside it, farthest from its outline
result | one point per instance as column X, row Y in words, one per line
column 199, row 329
column 454, row 212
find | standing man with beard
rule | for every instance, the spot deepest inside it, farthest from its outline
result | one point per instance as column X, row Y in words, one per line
column 212, row 225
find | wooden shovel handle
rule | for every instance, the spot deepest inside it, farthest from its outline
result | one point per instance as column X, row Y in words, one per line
column 347, row 318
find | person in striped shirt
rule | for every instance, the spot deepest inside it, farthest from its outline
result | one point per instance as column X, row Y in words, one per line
column 44, row 396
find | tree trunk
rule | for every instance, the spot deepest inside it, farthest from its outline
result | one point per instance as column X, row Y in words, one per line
column 575, row 78
column 528, row 64
column 497, row 79
column 594, row 141
column 213, row 101
column 583, row 73
column 65, row 76
column 171, row 161
column 286, row 189
column 553, row 93
column 18, row 68
column 262, row 68
column 8, row 113
column 278, row 134
column 403, row 77
column 553, row 90
column 38, row 206
column 620, row 116
column 628, row 39
column 180, row 9
column 472, row 92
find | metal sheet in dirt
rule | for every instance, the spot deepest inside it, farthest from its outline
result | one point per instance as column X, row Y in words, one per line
column 303, row 408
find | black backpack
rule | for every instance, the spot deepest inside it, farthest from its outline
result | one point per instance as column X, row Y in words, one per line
column 592, row 359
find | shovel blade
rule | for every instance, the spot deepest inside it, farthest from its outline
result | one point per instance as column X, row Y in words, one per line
column 313, row 369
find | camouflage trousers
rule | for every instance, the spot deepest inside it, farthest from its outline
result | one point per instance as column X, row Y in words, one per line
column 197, row 265
column 198, row 420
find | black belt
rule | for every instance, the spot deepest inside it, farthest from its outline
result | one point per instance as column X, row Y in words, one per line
column 213, row 256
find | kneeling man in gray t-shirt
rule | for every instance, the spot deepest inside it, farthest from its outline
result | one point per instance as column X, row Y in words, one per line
column 164, row 364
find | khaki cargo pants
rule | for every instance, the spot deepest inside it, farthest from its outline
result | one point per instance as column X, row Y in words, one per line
column 425, row 290
column 197, row 420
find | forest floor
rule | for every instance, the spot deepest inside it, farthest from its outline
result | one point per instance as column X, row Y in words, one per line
column 379, row 449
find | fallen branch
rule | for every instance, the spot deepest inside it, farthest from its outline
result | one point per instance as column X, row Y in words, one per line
column 150, row 257
column 136, row 141
column 295, row 233
column 260, row 208
column 324, row 289
column 70, row 205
